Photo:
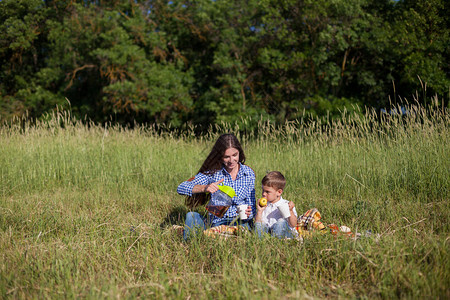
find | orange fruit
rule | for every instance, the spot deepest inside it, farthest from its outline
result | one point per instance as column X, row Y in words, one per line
column 262, row 202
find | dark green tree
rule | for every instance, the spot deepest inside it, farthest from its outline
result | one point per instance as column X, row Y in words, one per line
column 209, row 61
column 218, row 41
column 23, row 49
column 117, row 62
column 420, row 44
column 107, row 58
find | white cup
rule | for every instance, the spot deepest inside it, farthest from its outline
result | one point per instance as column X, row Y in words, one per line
column 241, row 209
column 284, row 210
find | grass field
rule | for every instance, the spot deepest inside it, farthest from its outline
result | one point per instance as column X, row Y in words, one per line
column 86, row 211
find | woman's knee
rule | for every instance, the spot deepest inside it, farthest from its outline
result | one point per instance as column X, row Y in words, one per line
column 193, row 225
column 191, row 215
column 194, row 219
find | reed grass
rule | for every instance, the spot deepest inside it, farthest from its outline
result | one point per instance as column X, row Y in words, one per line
column 86, row 210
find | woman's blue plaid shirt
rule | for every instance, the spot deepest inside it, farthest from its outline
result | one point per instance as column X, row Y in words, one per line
column 244, row 186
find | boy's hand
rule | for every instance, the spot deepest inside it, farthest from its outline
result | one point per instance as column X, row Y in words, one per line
column 261, row 203
column 259, row 207
column 259, row 211
column 291, row 205
column 292, row 218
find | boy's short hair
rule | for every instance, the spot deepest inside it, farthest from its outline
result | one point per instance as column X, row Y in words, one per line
column 274, row 179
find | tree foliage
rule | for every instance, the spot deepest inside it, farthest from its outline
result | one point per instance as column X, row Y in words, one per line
column 209, row 61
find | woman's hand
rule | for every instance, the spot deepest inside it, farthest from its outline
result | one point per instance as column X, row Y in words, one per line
column 209, row 188
column 248, row 211
column 213, row 187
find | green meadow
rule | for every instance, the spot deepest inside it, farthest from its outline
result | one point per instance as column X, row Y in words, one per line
column 86, row 211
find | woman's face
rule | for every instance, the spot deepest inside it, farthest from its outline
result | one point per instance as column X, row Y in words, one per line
column 231, row 159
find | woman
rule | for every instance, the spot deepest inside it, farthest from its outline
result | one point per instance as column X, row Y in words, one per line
column 224, row 165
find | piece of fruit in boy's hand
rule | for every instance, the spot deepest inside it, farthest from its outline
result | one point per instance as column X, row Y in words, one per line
column 262, row 202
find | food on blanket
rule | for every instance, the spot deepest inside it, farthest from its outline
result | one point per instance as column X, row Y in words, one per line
column 217, row 210
column 333, row 229
column 225, row 231
column 344, row 229
column 310, row 222
column 262, row 202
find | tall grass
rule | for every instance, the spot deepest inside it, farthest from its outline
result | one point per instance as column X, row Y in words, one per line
column 86, row 210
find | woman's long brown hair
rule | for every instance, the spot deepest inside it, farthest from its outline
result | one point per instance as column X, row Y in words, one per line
column 214, row 163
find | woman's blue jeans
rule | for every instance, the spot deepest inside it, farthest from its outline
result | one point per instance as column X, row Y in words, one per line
column 280, row 229
column 195, row 224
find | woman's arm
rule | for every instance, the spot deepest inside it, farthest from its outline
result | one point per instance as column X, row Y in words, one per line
column 207, row 188
column 198, row 184
column 193, row 185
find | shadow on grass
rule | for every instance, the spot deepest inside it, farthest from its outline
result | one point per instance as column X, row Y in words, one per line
column 175, row 217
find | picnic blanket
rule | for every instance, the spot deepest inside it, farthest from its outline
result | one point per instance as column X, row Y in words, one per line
column 310, row 222
column 307, row 224
column 222, row 231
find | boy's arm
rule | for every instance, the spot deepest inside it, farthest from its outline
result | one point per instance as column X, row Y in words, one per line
column 259, row 211
column 292, row 218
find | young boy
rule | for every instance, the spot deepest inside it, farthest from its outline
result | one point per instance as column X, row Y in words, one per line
column 268, row 218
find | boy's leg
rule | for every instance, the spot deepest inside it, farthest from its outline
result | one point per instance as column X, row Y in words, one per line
column 193, row 225
column 261, row 228
column 281, row 229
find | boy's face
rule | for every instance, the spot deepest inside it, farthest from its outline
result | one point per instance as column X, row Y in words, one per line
column 270, row 193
